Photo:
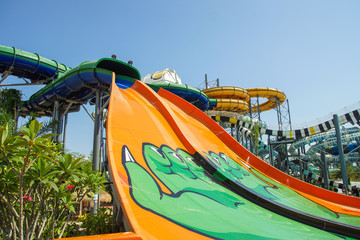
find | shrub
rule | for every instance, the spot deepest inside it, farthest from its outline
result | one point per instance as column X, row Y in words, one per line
column 89, row 224
column 39, row 185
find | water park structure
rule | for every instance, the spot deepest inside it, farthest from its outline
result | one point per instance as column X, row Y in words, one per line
column 175, row 172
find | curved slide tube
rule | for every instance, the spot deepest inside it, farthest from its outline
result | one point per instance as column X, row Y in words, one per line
column 323, row 140
column 333, row 142
column 77, row 86
column 177, row 171
column 245, row 123
column 352, row 117
column 228, row 99
column 237, row 99
column 346, row 147
column 318, row 138
column 275, row 97
column 29, row 65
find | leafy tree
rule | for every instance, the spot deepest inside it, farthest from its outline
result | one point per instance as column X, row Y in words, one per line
column 353, row 173
column 39, row 185
column 10, row 102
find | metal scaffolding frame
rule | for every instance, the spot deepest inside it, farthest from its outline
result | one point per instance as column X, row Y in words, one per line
column 209, row 84
column 283, row 115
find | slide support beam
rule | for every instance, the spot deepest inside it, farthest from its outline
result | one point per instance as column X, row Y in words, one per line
column 96, row 148
column 325, row 170
column 341, row 153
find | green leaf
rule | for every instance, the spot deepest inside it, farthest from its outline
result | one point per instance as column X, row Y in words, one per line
column 75, row 177
column 31, row 183
column 4, row 134
column 49, row 135
column 53, row 185
column 71, row 208
column 34, row 128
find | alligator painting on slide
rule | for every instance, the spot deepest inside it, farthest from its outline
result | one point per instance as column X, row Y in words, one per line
column 179, row 190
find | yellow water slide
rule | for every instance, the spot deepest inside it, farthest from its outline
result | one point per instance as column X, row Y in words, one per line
column 236, row 99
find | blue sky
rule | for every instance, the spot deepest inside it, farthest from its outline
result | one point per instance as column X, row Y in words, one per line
column 308, row 49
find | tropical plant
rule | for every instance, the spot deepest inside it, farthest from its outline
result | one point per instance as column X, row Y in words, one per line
column 46, row 127
column 90, row 224
column 39, row 185
column 255, row 135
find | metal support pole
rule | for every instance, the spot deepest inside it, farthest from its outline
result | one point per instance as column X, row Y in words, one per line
column 60, row 130
column 271, row 157
column 97, row 133
column 206, row 82
column 305, row 163
column 65, row 128
column 287, row 160
column 252, row 146
column 300, row 166
column 217, row 82
column 279, row 114
column 58, row 126
column 250, row 108
column 341, row 153
column 288, row 105
column 56, row 117
column 237, row 134
column 96, row 148
column 325, row 170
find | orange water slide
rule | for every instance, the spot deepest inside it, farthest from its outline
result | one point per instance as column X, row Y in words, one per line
column 171, row 166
